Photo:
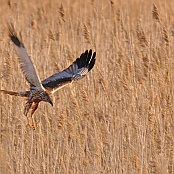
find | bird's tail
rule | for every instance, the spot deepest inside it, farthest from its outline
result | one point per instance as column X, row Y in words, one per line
column 22, row 94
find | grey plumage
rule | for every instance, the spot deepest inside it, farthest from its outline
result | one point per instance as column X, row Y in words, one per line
column 40, row 90
column 76, row 71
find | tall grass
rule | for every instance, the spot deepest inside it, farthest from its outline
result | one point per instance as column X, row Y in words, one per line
column 119, row 119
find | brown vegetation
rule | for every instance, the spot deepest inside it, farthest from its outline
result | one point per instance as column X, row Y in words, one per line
column 120, row 118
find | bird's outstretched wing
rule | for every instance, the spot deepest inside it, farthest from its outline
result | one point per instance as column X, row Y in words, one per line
column 76, row 71
column 24, row 60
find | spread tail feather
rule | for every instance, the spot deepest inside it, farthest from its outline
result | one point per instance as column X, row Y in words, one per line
column 22, row 94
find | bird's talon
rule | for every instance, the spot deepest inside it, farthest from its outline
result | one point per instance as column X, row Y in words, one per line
column 34, row 126
column 31, row 126
column 28, row 126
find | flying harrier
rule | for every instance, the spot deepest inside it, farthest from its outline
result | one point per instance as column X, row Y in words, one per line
column 40, row 90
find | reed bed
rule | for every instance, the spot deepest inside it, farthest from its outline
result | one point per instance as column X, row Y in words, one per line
column 119, row 119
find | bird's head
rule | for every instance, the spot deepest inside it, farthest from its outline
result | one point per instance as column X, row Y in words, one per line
column 47, row 98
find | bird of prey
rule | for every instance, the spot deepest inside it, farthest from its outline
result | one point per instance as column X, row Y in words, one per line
column 41, row 90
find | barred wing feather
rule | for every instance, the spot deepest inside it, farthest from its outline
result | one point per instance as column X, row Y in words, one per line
column 26, row 64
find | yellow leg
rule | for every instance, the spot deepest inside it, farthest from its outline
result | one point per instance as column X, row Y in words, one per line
column 28, row 124
column 34, row 107
column 26, row 110
column 33, row 123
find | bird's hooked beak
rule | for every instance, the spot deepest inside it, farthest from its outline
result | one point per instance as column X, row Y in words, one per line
column 51, row 103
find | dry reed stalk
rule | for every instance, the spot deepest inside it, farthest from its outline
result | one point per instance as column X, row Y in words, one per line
column 125, row 84
column 113, row 17
column 7, row 70
column 141, row 36
column 62, row 12
column 123, row 29
column 33, row 24
column 127, row 70
column 112, row 6
column 51, row 4
column 74, row 106
column 146, row 64
column 92, row 2
column 9, row 3
column 56, row 36
column 115, row 29
column 61, row 120
column 163, row 54
column 136, row 161
column 70, row 54
column 104, row 86
column 118, row 15
column 155, row 60
column 121, row 58
column 155, row 13
column 170, row 155
column 167, row 77
column 39, row 14
column 156, row 168
column 78, row 28
column 138, row 66
column 51, row 35
column 112, row 2
column 139, row 76
column 71, row 130
column 95, row 14
column 86, row 33
column 165, row 36
column 151, row 118
column 57, row 66
column 121, row 23
column 84, row 96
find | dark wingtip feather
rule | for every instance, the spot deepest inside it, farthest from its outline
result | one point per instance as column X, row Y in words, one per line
column 13, row 35
column 86, row 60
